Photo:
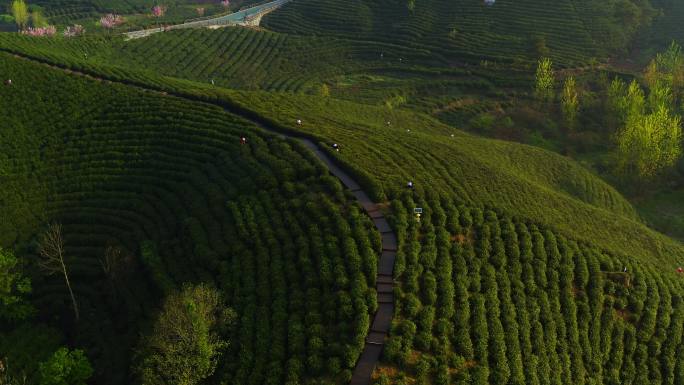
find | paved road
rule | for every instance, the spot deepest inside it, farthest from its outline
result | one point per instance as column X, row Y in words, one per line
column 246, row 16
column 380, row 326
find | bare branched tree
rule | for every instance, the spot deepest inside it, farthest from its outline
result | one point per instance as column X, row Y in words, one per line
column 52, row 261
column 110, row 261
column 114, row 262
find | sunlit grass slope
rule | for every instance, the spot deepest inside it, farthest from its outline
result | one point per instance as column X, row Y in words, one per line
column 523, row 180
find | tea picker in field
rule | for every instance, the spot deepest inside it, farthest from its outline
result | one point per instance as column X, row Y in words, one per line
column 299, row 122
column 8, row 82
column 336, row 147
column 410, row 185
column 243, row 140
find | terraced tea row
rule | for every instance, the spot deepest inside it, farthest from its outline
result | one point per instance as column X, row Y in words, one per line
column 483, row 299
column 520, row 180
column 231, row 57
column 466, row 28
column 462, row 163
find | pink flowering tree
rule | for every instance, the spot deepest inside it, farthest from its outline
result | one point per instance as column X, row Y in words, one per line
column 225, row 3
column 111, row 20
column 158, row 11
column 50, row 30
column 200, row 11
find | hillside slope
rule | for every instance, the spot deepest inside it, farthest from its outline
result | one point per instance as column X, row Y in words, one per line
column 482, row 171
column 571, row 30
column 155, row 191
column 513, row 274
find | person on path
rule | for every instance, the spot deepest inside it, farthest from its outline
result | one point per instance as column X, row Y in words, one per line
column 409, row 184
column 299, row 122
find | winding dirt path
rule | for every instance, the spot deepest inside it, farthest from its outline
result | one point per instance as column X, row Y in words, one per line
column 379, row 329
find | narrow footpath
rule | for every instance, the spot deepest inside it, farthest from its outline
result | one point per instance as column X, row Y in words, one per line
column 379, row 329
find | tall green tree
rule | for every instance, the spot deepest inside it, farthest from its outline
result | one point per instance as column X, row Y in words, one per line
column 544, row 79
column 38, row 20
column 186, row 341
column 616, row 104
column 20, row 13
column 660, row 95
column 570, row 102
column 671, row 65
column 649, row 143
column 13, row 287
column 634, row 102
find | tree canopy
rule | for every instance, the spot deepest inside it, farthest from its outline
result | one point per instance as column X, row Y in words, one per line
column 185, row 343
column 544, row 79
column 13, row 287
column 65, row 367
column 20, row 13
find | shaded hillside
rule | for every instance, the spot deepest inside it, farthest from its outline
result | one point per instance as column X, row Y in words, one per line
column 169, row 186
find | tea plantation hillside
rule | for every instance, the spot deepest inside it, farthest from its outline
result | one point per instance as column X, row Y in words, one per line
column 233, row 57
column 554, row 195
column 486, row 298
column 153, row 191
column 571, row 31
column 522, row 180
column 524, row 267
column 490, row 289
